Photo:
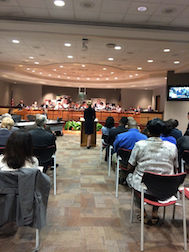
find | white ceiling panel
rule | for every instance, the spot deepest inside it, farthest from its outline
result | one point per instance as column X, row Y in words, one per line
column 11, row 11
column 118, row 6
column 32, row 3
column 111, row 17
column 36, row 12
column 169, row 10
column 160, row 20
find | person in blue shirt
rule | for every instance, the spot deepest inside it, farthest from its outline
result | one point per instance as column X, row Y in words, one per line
column 128, row 139
column 166, row 133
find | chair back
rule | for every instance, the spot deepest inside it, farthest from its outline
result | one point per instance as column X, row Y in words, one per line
column 16, row 118
column 44, row 153
column 161, row 186
column 31, row 118
column 125, row 155
column 2, row 149
column 105, row 137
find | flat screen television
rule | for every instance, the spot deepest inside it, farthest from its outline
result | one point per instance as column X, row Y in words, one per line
column 178, row 93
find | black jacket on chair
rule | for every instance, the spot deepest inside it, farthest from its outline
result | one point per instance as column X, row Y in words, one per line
column 23, row 197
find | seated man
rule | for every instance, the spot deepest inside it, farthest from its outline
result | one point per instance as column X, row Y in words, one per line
column 182, row 145
column 115, row 131
column 152, row 155
column 5, row 130
column 40, row 136
column 128, row 139
column 176, row 133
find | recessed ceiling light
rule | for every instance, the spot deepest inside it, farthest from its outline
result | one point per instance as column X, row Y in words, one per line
column 61, row 66
column 100, row 75
column 166, row 50
column 142, row 8
column 112, row 72
column 133, row 85
column 117, row 47
column 20, row 65
column 139, row 68
column 65, row 73
column 59, row 76
column 165, row 78
column 115, row 78
column 176, row 62
column 67, row 44
column 70, row 57
column 88, row 78
column 146, row 88
column 40, row 73
column 28, row 68
column 31, row 57
column 68, row 77
column 150, row 61
column 54, row 69
column 59, row 3
column 83, row 65
column 78, row 78
column 104, row 68
column 130, row 76
column 107, row 78
column 15, row 41
column 136, row 74
column 98, row 78
column 36, row 62
column 49, row 74
column 25, row 60
column 33, row 71
column 110, row 59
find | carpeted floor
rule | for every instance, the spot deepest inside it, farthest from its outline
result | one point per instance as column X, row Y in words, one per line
column 86, row 216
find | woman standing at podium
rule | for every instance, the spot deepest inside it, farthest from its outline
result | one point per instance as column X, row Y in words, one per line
column 89, row 115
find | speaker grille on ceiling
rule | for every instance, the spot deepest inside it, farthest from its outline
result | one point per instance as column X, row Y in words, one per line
column 87, row 4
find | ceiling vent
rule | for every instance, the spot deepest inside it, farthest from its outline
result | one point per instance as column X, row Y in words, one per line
column 169, row 10
column 87, row 4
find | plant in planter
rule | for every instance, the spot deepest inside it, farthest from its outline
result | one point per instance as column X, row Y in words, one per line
column 73, row 125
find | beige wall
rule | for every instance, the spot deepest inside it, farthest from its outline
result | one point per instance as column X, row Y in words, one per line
column 162, row 92
column 135, row 97
column 4, row 94
column 29, row 93
column 177, row 110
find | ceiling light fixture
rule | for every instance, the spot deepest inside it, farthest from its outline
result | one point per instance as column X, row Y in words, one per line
column 40, row 73
column 28, row 68
column 110, row 59
column 78, row 78
column 136, row 74
column 176, row 62
column 49, row 75
column 142, row 8
column 107, row 78
column 166, row 50
column 15, row 41
column 61, row 66
column 70, row 57
column 115, row 78
column 36, row 62
column 104, row 68
column 68, row 77
column 67, row 44
column 88, row 78
column 139, row 68
column 150, row 61
column 33, row 71
column 31, row 57
column 98, row 78
column 20, row 65
column 83, row 65
column 59, row 3
column 59, row 76
column 112, row 72
column 117, row 47
column 130, row 76
column 54, row 69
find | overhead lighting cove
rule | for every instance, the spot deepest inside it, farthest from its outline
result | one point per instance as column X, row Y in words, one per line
column 59, row 3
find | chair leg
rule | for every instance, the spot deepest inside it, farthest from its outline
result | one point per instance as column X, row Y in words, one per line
column 132, row 206
column 142, row 221
column 117, row 177
column 182, row 165
column 174, row 208
column 109, row 160
column 164, row 211
column 184, row 219
column 101, row 150
column 54, row 174
column 36, row 240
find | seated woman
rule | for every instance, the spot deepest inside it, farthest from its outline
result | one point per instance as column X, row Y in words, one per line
column 109, row 124
column 5, row 130
column 165, row 136
column 151, row 155
column 18, row 152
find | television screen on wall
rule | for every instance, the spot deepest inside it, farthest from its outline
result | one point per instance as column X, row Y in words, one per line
column 178, row 93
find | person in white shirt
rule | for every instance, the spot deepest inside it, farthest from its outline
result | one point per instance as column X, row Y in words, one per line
column 18, row 152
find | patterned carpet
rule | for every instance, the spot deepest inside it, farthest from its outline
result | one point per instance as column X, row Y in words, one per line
column 86, row 216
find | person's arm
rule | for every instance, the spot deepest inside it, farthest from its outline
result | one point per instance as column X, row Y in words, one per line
column 116, row 143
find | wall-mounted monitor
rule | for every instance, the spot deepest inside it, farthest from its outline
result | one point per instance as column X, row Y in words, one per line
column 178, row 93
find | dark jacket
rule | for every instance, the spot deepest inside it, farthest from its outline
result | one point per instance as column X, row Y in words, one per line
column 176, row 133
column 23, row 197
column 42, row 138
column 182, row 145
column 114, row 132
column 4, row 135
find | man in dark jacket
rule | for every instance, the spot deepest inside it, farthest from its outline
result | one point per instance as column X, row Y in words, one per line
column 120, row 129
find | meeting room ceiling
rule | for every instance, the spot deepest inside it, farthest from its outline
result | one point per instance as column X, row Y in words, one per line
column 93, row 43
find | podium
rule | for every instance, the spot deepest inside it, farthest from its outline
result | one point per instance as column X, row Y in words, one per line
column 83, row 141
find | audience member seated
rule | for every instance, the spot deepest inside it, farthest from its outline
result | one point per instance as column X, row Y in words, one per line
column 115, row 131
column 9, row 115
column 128, row 139
column 165, row 136
column 176, row 133
column 5, row 130
column 18, row 152
column 183, row 144
column 109, row 124
column 40, row 136
column 152, row 155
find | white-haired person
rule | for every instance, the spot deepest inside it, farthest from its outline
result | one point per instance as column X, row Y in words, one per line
column 6, row 130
